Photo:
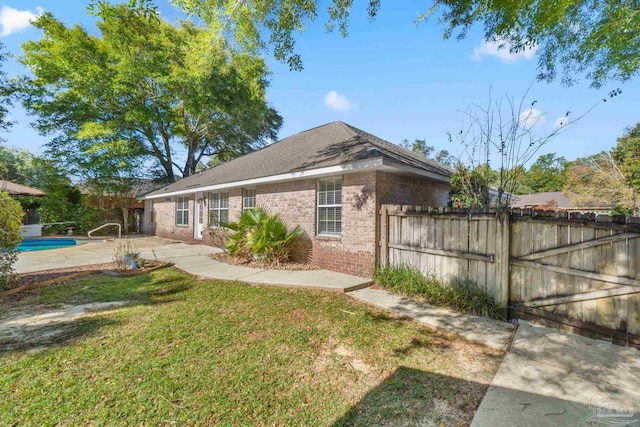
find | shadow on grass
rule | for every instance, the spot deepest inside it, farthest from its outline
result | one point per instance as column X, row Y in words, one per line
column 36, row 323
column 415, row 397
column 36, row 337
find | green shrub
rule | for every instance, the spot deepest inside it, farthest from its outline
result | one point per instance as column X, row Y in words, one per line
column 10, row 237
column 258, row 234
column 459, row 294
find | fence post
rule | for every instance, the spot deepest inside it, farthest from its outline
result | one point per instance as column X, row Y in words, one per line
column 502, row 260
column 384, row 235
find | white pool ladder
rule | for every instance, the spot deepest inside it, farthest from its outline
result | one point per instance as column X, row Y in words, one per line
column 106, row 225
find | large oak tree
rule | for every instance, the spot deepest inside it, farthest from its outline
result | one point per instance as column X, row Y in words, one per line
column 599, row 37
column 144, row 90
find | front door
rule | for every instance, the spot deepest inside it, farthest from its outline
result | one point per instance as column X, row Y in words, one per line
column 198, row 218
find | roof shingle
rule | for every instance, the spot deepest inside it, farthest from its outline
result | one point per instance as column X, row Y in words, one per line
column 332, row 144
column 19, row 189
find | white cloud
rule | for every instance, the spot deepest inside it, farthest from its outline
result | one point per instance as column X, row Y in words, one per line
column 532, row 117
column 337, row 102
column 14, row 20
column 501, row 49
column 562, row 122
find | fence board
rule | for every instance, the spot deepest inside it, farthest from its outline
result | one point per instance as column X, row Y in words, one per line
column 580, row 270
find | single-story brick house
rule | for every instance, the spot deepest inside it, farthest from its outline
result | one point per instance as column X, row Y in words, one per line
column 330, row 180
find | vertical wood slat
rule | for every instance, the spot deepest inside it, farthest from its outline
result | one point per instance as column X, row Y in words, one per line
column 484, row 236
column 501, row 291
column 384, row 236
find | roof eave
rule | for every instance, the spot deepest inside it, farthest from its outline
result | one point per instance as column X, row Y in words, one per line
column 378, row 163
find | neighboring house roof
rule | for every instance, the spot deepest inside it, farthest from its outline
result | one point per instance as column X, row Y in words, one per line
column 140, row 186
column 330, row 148
column 556, row 198
column 541, row 199
column 19, row 190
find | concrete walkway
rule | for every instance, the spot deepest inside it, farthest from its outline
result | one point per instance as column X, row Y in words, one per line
column 549, row 378
column 481, row 330
column 205, row 267
column 194, row 259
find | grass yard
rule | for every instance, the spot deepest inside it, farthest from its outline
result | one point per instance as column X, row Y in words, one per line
column 188, row 352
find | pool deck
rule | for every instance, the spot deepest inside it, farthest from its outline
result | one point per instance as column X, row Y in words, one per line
column 193, row 259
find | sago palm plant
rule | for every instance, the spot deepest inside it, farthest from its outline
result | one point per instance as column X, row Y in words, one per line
column 258, row 234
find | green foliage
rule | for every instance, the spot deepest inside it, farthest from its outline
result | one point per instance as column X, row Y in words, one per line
column 23, row 167
column 10, row 237
column 142, row 90
column 64, row 202
column 627, row 154
column 260, row 234
column 470, row 187
column 548, row 173
column 622, row 210
column 593, row 36
column 460, row 294
column 445, row 158
column 6, row 93
column 418, row 146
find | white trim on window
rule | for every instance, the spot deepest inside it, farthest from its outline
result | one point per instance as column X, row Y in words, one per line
column 182, row 211
column 152, row 212
column 329, row 202
column 248, row 198
column 218, row 209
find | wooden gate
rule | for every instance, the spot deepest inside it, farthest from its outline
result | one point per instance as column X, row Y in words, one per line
column 445, row 244
column 583, row 275
column 575, row 272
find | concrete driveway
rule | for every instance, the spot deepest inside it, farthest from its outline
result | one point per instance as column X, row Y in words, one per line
column 550, row 378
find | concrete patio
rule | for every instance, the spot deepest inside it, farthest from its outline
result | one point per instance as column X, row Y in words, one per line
column 193, row 259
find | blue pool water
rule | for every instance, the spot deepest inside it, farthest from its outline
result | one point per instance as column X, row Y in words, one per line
column 42, row 244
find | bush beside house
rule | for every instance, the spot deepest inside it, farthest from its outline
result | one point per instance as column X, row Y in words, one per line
column 10, row 237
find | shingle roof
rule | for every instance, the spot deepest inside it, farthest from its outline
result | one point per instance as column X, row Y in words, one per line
column 541, row 199
column 18, row 189
column 332, row 144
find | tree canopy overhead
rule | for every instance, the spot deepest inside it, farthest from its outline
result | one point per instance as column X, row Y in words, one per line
column 596, row 37
column 144, row 90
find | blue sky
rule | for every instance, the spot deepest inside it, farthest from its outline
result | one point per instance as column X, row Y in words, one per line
column 388, row 77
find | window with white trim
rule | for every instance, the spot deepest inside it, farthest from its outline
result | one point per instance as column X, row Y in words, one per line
column 218, row 209
column 182, row 211
column 152, row 216
column 330, row 206
column 248, row 198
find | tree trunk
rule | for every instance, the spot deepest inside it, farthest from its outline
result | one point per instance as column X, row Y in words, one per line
column 125, row 217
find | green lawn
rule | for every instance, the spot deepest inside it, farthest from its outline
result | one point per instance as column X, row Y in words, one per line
column 187, row 352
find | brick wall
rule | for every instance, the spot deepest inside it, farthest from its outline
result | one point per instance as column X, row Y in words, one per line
column 354, row 252
column 164, row 224
column 410, row 190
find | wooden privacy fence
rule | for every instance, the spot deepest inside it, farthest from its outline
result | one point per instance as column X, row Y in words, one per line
column 575, row 271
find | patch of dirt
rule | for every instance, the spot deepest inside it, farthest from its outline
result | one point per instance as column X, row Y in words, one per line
column 120, row 271
column 43, row 328
column 43, row 276
column 289, row 265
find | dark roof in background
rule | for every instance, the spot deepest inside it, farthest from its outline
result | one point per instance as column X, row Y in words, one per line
column 140, row 186
column 332, row 144
column 19, row 190
column 541, row 199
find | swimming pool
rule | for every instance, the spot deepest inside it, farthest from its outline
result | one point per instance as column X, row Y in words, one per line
column 43, row 244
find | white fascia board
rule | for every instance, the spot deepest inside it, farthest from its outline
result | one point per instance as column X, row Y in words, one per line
column 410, row 169
column 310, row 173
